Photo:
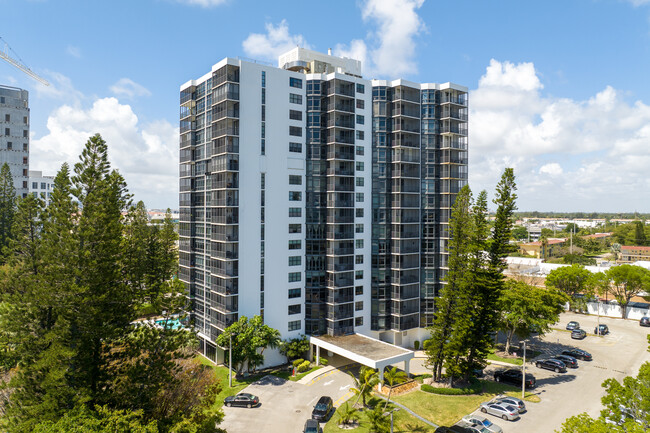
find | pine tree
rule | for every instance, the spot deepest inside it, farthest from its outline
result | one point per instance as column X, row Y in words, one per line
column 7, row 208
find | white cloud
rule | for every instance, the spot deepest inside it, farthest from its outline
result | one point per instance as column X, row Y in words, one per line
column 146, row 155
column 397, row 24
column 639, row 2
column 60, row 88
column 601, row 143
column 357, row 50
column 129, row 89
column 73, row 51
column 202, row 3
column 276, row 41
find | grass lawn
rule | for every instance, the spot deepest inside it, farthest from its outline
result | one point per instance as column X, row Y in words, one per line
column 403, row 421
column 448, row 409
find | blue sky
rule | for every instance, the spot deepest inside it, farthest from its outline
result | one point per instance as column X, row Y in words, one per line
column 559, row 89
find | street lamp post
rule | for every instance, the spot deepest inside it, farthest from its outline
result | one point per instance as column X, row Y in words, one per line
column 523, row 376
column 391, row 418
column 230, row 363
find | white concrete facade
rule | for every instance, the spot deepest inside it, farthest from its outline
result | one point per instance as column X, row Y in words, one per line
column 41, row 186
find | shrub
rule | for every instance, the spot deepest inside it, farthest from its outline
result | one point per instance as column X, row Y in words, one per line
column 297, row 362
column 416, row 344
column 304, row 366
column 474, row 388
column 426, row 343
column 324, row 362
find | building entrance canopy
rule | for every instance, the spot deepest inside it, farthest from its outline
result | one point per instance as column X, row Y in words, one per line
column 365, row 350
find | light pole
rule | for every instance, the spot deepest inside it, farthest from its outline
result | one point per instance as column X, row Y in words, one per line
column 523, row 376
column 391, row 417
column 230, row 363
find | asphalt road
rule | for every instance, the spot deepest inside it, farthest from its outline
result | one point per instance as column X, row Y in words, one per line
column 285, row 405
column 616, row 355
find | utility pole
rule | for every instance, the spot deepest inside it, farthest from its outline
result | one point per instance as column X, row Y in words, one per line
column 523, row 376
column 230, row 363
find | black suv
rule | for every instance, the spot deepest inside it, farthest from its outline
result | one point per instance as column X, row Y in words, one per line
column 569, row 361
column 312, row 426
column 601, row 330
column 578, row 354
column 323, row 409
column 551, row 364
column 513, row 376
column 645, row 321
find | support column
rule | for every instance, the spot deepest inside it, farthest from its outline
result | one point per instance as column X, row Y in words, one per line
column 317, row 355
column 381, row 376
column 406, row 367
column 310, row 357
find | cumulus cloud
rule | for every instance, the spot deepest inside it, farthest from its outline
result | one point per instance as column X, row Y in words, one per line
column 202, row 3
column 73, row 51
column 146, row 155
column 277, row 40
column 601, row 142
column 128, row 88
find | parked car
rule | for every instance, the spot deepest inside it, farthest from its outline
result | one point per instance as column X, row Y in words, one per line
column 453, row 429
column 645, row 321
column 601, row 330
column 323, row 409
column 502, row 410
column 242, row 400
column 312, row 426
column 514, row 377
column 472, row 428
column 551, row 364
column 481, row 420
column 513, row 401
column 578, row 353
column 572, row 325
column 569, row 361
column 578, row 334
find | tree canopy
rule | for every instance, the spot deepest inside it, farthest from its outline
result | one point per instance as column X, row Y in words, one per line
column 249, row 339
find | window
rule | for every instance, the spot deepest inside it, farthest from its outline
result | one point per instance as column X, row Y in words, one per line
column 358, row 228
column 10, row 145
column 358, row 275
column 25, row 134
column 263, row 180
column 25, row 146
column 295, row 131
column 263, row 78
column 361, row 88
column 295, row 99
column 43, row 185
column 360, row 119
column 359, row 197
column 295, row 228
column 2, row 99
column 263, row 96
column 294, row 293
column 295, row 260
column 7, row 131
column 358, row 290
column 358, row 306
column 357, row 244
column 358, row 259
column 295, row 115
column 358, row 321
column 295, row 82
column 261, row 266
column 295, row 195
column 295, row 244
column 7, row 118
column 360, row 181
column 295, row 147
column 359, row 166
column 263, row 113
column 359, row 212
column 294, row 325
column 294, row 309
column 361, row 104
column 25, row 120
column 295, row 211
column 360, row 136
column 294, row 276
column 295, row 179
column 34, row 185
column 360, row 150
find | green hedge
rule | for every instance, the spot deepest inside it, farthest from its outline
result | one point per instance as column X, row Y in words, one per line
column 297, row 362
column 323, row 362
column 474, row 388
column 304, row 366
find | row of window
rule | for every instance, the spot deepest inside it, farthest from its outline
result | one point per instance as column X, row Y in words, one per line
column 10, row 146
column 8, row 119
column 8, row 132
column 295, row 325
column 44, row 185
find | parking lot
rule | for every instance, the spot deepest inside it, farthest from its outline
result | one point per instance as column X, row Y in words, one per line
column 285, row 405
column 618, row 354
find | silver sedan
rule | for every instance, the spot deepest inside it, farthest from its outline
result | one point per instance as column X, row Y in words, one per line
column 482, row 421
column 502, row 410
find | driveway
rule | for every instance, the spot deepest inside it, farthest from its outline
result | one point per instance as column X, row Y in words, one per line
column 616, row 355
column 285, row 405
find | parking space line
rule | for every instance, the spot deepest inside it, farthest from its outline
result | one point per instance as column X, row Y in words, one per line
column 340, row 401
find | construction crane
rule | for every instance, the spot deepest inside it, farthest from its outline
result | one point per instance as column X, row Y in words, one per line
column 18, row 63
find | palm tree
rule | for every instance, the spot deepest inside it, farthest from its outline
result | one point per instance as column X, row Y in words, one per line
column 364, row 384
column 392, row 377
column 347, row 414
column 379, row 422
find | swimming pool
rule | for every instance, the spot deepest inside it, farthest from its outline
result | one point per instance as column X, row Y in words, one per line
column 172, row 323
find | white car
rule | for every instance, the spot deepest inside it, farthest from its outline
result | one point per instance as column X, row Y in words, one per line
column 502, row 410
column 481, row 420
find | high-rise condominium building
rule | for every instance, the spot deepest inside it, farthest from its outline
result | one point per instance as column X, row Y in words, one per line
column 316, row 198
column 14, row 135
